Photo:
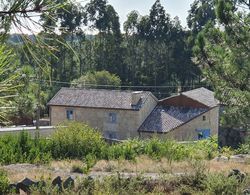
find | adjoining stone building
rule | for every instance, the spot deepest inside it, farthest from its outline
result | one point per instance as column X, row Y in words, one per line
column 121, row 115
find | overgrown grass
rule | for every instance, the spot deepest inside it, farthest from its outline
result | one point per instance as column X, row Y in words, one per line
column 199, row 181
column 21, row 148
column 4, row 182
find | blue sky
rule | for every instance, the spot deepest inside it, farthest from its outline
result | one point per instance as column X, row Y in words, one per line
column 173, row 7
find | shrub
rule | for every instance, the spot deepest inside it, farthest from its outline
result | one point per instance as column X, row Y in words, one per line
column 21, row 148
column 244, row 148
column 4, row 182
column 221, row 184
column 77, row 169
column 76, row 140
column 195, row 179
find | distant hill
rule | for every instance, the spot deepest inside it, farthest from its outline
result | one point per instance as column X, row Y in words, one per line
column 17, row 38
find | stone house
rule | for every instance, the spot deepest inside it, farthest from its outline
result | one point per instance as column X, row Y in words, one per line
column 121, row 115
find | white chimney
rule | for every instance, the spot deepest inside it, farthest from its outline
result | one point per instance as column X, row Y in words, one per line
column 136, row 96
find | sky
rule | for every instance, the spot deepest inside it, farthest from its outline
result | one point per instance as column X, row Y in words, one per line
column 173, row 7
column 124, row 7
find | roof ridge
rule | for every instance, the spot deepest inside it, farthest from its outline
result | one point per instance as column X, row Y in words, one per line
column 92, row 89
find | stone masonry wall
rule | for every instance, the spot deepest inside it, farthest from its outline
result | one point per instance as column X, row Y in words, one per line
column 127, row 121
column 187, row 132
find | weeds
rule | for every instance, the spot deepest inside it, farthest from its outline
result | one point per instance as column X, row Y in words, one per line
column 79, row 141
column 4, row 182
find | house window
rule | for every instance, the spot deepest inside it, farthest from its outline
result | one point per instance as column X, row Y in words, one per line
column 112, row 117
column 203, row 133
column 110, row 135
column 204, row 118
column 70, row 114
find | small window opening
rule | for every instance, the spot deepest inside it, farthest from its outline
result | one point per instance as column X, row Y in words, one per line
column 69, row 114
column 112, row 117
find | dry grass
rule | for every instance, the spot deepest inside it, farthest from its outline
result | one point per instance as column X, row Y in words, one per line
column 215, row 166
column 18, row 172
column 142, row 164
column 145, row 164
column 65, row 165
column 56, row 168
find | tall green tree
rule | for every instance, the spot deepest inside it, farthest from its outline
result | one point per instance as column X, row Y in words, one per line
column 223, row 52
column 201, row 12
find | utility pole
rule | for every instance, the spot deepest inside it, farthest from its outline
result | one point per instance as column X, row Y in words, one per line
column 38, row 99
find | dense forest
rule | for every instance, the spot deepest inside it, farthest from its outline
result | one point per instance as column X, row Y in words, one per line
column 148, row 52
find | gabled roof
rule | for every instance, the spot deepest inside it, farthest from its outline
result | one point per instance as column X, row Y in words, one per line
column 166, row 118
column 97, row 98
column 203, row 96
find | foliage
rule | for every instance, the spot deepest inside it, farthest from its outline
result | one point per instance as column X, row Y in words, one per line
column 22, row 148
column 212, row 183
column 97, row 79
column 76, row 140
column 223, row 52
column 4, row 182
column 245, row 147
column 221, row 184
column 157, row 149
column 8, row 81
column 79, row 141
column 201, row 12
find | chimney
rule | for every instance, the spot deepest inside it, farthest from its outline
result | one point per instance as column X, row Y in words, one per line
column 136, row 96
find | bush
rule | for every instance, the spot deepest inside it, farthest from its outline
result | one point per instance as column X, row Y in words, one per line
column 157, row 149
column 76, row 140
column 221, row 184
column 78, row 169
column 21, row 148
column 4, row 182
column 244, row 148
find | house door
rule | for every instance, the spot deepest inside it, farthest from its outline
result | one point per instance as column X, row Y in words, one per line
column 203, row 133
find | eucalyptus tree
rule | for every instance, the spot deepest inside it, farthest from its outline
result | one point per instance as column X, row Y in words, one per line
column 103, row 18
column 200, row 13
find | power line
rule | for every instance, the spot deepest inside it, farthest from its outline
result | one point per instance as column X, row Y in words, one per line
column 121, row 86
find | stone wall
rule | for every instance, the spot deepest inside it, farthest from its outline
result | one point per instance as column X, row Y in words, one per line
column 187, row 132
column 126, row 125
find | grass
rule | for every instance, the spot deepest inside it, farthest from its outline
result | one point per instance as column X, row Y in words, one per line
column 143, row 164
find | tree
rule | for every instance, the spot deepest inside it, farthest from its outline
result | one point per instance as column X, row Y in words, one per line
column 8, row 81
column 98, row 79
column 17, row 14
column 201, row 12
column 160, row 24
column 223, row 52
column 107, row 43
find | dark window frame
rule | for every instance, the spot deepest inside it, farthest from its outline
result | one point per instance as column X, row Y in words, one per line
column 70, row 114
column 113, row 117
